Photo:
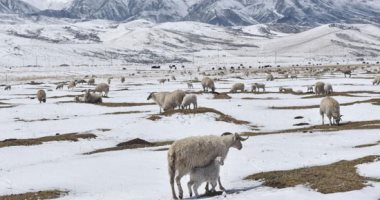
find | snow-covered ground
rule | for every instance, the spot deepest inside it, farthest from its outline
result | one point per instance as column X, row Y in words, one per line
column 142, row 173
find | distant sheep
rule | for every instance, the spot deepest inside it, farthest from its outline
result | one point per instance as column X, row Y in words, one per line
column 188, row 100
column 208, row 173
column 285, row 90
column 253, row 88
column 310, row 88
column 270, row 77
column 103, row 89
column 328, row 89
column 330, row 107
column 91, row 81
column 347, row 72
column 237, row 87
column 60, row 86
column 376, row 80
column 71, row 85
column 162, row 81
column 173, row 78
column 190, row 85
column 92, row 98
column 109, row 80
column 293, row 76
column 41, row 96
column 186, row 154
column 122, row 79
column 8, row 87
column 319, row 88
column 159, row 98
column 258, row 86
column 81, row 81
column 208, row 83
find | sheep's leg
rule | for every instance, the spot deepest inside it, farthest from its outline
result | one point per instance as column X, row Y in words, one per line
column 189, row 184
column 330, row 120
column 220, row 185
column 213, row 184
column 323, row 119
column 206, row 188
column 178, row 181
column 195, row 188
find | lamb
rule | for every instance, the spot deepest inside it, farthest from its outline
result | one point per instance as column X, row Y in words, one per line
column 41, row 96
column 285, row 90
column 71, row 85
column 186, row 154
column 163, row 80
column 270, row 77
column 60, row 86
column 208, row 83
column 376, row 80
column 208, row 173
column 330, row 107
column 103, row 89
column 319, row 88
column 190, row 85
column 310, row 88
column 188, row 100
column 91, row 81
column 173, row 100
column 158, row 97
column 109, row 80
column 259, row 85
column 328, row 89
column 236, row 87
column 122, row 79
column 8, row 87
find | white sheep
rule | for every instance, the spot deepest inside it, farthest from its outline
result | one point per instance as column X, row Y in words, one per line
column 173, row 100
column 310, row 88
column 60, row 86
column 158, row 97
column 91, row 97
column 270, row 77
column 253, row 88
column 328, row 88
column 103, row 89
column 258, row 86
column 285, row 90
column 91, row 81
column 330, row 107
column 319, row 88
column 71, row 85
column 188, row 100
column 236, row 87
column 376, row 80
column 109, row 80
column 208, row 83
column 198, row 151
column 190, row 85
column 208, row 173
column 41, row 96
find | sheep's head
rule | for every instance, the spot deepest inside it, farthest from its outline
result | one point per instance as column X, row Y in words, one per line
column 236, row 140
column 150, row 96
column 338, row 119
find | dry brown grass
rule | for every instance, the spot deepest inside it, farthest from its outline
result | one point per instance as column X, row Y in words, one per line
column 336, row 177
column 111, row 104
column 373, row 101
column 253, row 98
column 40, row 195
column 221, row 96
column 200, row 110
column 126, row 113
column 64, row 96
column 74, row 137
column 38, row 120
column 367, row 145
column 132, row 144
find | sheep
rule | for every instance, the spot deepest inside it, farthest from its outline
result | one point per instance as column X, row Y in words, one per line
column 347, row 72
column 163, row 80
column 60, row 86
column 236, row 87
column 253, row 88
column 328, row 88
column 293, row 76
column 81, row 81
column 376, row 80
column 259, row 85
column 190, row 85
column 158, row 97
column 71, row 85
column 92, row 98
column 173, row 78
column 173, row 100
column 103, row 89
column 285, row 90
column 208, row 83
column 188, row 100
column 319, row 88
column 208, row 173
column 91, row 81
column 41, row 96
column 109, row 80
column 8, row 87
column 122, row 79
column 330, row 107
column 310, row 88
column 270, row 77
column 189, row 153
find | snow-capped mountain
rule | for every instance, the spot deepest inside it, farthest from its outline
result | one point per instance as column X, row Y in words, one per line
column 50, row 4
column 16, row 7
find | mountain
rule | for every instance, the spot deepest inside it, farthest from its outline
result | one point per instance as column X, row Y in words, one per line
column 49, row 4
column 229, row 12
column 16, row 7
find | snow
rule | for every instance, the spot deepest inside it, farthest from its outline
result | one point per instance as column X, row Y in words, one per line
column 49, row 4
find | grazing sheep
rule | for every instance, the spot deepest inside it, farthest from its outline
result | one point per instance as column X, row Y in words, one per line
column 376, row 80
column 310, row 88
column 236, row 87
column 173, row 100
column 103, row 89
column 186, row 154
column 60, row 86
column 190, row 85
column 270, row 77
column 92, row 98
column 330, row 107
column 259, row 85
column 208, row 173
column 319, row 88
column 163, row 80
column 188, row 100
column 109, row 80
column 253, row 88
column 293, row 76
column 159, row 98
column 347, row 72
column 208, row 83
column 41, row 96
column 285, row 90
column 8, row 87
column 328, row 88
column 122, row 79
column 71, row 85
column 91, row 81
column 81, row 81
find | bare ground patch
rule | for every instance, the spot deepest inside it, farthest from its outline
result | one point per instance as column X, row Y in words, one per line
column 253, row 98
column 367, row 145
column 73, row 137
column 126, row 113
column 132, row 144
column 336, row 177
column 38, row 120
column 200, row 110
column 40, row 195
column 373, row 101
column 221, row 96
column 111, row 104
